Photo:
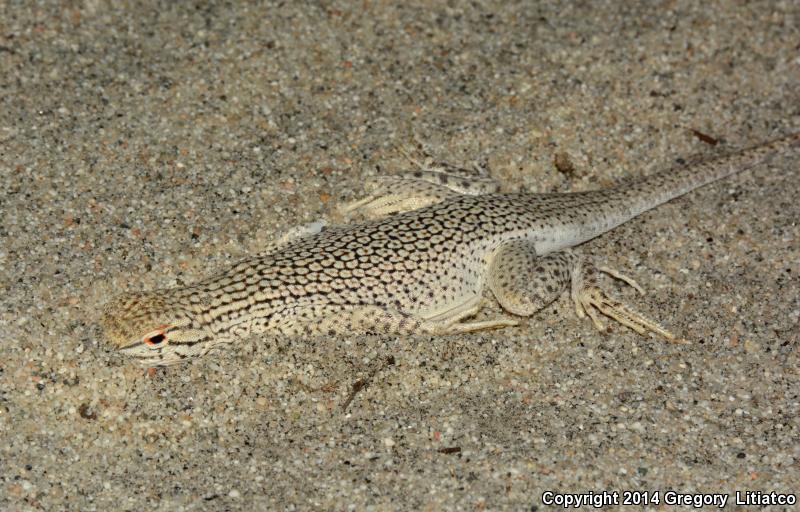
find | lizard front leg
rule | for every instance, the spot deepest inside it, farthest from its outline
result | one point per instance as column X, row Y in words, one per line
column 431, row 183
column 393, row 194
column 333, row 320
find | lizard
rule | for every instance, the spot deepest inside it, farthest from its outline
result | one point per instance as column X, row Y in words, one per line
column 435, row 245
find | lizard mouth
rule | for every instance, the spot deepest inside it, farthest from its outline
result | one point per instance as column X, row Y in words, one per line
column 152, row 358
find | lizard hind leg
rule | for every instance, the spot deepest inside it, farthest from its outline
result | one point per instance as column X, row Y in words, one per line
column 590, row 300
column 524, row 282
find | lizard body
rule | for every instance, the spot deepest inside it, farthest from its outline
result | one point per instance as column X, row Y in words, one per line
column 422, row 265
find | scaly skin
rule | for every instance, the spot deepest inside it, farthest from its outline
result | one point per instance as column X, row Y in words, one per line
column 423, row 270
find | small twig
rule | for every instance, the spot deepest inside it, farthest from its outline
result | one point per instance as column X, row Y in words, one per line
column 357, row 386
column 708, row 139
column 361, row 384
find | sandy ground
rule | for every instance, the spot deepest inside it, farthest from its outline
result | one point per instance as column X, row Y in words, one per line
column 149, row 145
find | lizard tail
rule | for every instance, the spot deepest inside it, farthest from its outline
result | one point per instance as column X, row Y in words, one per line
column 650, row 191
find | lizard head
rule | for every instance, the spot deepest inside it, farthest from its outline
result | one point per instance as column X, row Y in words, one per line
column 155, row 328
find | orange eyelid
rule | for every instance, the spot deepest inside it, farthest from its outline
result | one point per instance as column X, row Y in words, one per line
column 159, row 331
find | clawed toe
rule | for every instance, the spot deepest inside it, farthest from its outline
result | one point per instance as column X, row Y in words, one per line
column 593, row 301
column 622, row 277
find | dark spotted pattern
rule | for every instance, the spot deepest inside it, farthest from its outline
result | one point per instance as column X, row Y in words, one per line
column 393, row 274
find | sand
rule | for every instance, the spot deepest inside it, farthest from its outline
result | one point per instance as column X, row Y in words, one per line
column 146, row 146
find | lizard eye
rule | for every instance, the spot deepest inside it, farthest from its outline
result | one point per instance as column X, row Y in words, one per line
column 155, row 339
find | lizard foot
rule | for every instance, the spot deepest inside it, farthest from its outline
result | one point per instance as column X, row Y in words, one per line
column 592, row 301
